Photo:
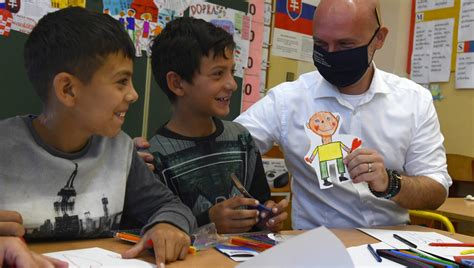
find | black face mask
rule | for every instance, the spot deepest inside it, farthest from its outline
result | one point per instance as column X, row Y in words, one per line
column 343, row 68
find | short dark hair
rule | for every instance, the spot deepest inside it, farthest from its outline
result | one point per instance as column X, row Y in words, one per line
column 72, row 40
column 182, row 44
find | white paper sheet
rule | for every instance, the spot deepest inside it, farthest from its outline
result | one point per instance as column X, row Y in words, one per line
column 421, row 239
column 466, row 21
column 316, row 248
column 425, row 5
column 96, row 257
column 432, row 50
column 420, row 60
column 361, row 257
column 465, row 70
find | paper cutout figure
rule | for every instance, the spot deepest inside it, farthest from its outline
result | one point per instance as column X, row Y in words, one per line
column 122, row 18
column 130, row 23
column 146, row 17
column 322, row 130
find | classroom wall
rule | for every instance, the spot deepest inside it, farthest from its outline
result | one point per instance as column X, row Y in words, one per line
column 17, row 96
column 455, row 112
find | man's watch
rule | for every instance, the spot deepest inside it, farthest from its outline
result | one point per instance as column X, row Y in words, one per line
column 394, row 185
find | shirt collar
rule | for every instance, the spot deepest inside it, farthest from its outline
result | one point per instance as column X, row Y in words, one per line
column 326, row 89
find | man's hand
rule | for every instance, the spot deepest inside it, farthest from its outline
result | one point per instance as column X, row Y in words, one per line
column 142, row 144
column 367, row 165
column 279, row 215
column 11, row 224
column 230, row 218
column 169, row 244
column 14, row 253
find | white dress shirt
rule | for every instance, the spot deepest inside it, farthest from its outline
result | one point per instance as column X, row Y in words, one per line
column 396, row 117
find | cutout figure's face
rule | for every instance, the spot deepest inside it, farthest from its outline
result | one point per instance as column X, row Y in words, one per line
column 323, row 123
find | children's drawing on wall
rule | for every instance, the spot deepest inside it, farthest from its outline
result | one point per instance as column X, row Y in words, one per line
column 178, row 6
column 142, row 19
column 130, row 23
column 6, row 20
column 21, row 15
column 328, row 148
column 67, row 3
column 234, row 22
column 164, row 16
column 115, row 6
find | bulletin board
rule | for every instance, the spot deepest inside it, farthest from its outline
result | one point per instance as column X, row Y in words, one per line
column 153, row 108
column 441, row 41
column 430, row 15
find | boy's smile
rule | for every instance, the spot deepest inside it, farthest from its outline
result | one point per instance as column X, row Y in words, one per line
column 103, row 103
column 211, row 89
column 94, row 108
column 224, row 101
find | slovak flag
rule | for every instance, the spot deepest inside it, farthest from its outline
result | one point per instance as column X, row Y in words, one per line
column 294, row 8
column 295, row 16
column 2, row 4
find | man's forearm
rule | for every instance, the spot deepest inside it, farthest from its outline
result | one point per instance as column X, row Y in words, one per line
column 420, row 192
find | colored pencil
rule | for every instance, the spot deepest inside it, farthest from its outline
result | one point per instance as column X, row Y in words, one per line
column 451, row 244
column 134, row 239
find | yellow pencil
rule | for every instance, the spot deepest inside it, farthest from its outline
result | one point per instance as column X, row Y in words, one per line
column 467, row 251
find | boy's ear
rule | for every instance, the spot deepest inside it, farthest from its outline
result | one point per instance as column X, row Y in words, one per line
column 175, row 83
column 64, row 88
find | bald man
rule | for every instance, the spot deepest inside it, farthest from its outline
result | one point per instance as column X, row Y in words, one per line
column 402, row 162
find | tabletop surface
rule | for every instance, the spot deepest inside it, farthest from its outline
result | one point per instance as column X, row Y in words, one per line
column 457, row 208
column 211, row 257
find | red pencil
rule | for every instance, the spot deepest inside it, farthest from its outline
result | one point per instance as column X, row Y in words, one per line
column 251, row 243
column 452, row 244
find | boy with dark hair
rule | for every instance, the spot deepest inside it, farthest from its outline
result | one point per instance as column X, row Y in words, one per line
column 195, row 152
column 71, row 172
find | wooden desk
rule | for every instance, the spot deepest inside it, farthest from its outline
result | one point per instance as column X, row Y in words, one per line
column 212, row 258
column 457, row 209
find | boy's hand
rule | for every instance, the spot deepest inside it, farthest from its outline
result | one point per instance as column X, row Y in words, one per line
column 14, row 253
column 141, row 144
column 169, row 244
column 11, row 224
column 279, row 215
column 229, row 218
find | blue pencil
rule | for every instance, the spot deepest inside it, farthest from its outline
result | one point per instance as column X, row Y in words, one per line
column 374, row 253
